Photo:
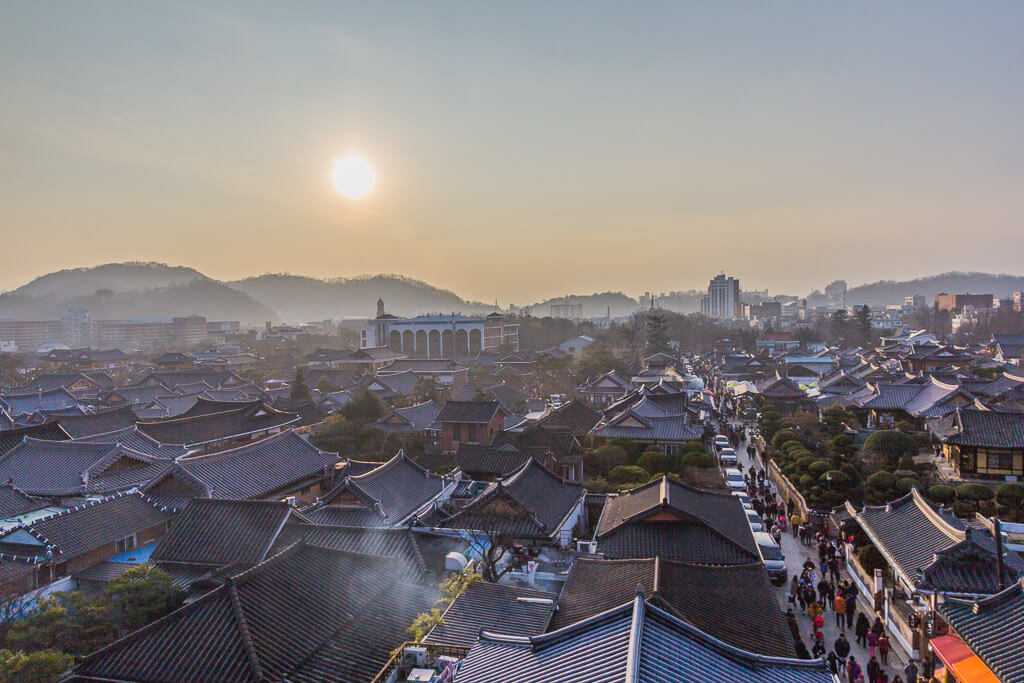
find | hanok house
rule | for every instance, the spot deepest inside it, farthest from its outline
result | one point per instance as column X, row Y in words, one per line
column 650, row 428
column 419, row 420
column 280, row 467
column 604, row 390
column 213, row 425
column 68, row 472
column 986, row 637
column 533, row 506
column 304, row 614
column 484, row 606
column 734, row 603
column 983, row 444
column 675, row 521
column 50, row 551
column 886, row 403
column 389, row 495
column 212, row 535
column 633, row 641
column 469, row 422
column 930, row 555
column 780, row 391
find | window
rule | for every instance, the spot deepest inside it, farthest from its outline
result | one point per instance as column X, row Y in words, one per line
column 60, row 571
column 126, row 544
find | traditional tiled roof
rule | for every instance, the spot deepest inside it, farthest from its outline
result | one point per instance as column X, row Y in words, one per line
column 79, row 426
column 539, row 441
column 139, row 395
column 982, row 428
column 258, row 469
column 574, row 415
column 475, row 412
column 211, row 376
column 415, row 418
column 609, row 383
column 138, row 441
column 49, row 431
column 65, row 468
column 993, row 628
column 196, row 427
column 734, row 603
column 395, row 490
column 930, row 548
column 47, row 381
column 420, row 554
column 780, row 387
column 532, row 503
column 219, row 533
column 14, row 501
column 489, row 460
column 26, row 404
column 631, row 425
column 490, row 606
column 693, row 525
column 634, row 642
column 304, row 614
column 93, row 525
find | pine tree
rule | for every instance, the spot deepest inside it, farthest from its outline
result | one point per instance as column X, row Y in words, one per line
column 656, row 332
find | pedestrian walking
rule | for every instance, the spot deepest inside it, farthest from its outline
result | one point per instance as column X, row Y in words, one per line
column 877, row 628
column 851, row 606
column 814, row 610
column 839, row 605
column 842, row 648
column 910, row 671
column 832, row 661
column 833, row 568
column 872, row 641
column 818, row 650
column 883, row 648
column 861, row 630
column 898, row 679
column 853, row 671
column 873, row 669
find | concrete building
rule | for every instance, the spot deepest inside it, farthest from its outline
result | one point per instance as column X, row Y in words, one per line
column 955, row 303
column 836, row 292
column 722, row 299
column 914, row 301
column 567, row 310
column 438, row 336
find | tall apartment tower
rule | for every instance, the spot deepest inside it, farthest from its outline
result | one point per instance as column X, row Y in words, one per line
column 722, row 299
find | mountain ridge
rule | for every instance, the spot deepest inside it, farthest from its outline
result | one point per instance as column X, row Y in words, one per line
column 150, row 289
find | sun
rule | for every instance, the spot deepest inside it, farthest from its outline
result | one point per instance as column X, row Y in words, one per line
column 353, row 177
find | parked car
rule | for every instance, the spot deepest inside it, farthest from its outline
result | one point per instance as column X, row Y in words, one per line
column 754, row 520
column 721, row 441
column 734, row 479
column 744, row 500
column 728, row 456
column 771, row 555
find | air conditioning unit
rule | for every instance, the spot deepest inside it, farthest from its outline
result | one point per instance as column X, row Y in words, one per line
column 292, row 500
column 415, row 656
column 589, row 547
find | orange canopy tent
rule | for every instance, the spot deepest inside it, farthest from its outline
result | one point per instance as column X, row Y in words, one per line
column 961, row 661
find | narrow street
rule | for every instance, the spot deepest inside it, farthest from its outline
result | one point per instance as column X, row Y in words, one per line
column 796, row 554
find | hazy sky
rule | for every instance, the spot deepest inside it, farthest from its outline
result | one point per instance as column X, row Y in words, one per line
column 522, row 149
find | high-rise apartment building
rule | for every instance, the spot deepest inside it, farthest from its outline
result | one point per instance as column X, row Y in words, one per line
column 723, row 298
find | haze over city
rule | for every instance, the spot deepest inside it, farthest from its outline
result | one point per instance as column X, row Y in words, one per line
column 519, row 151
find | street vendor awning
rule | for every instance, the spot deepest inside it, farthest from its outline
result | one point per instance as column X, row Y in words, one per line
column 961, row 661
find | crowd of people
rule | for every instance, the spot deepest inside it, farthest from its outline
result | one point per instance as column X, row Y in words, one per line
column 820, row 588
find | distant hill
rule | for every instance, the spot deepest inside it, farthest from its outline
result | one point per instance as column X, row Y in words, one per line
column 893, row 292
column 304, row 299
column 117, row 277
column 594, row 305
column 132, row 290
